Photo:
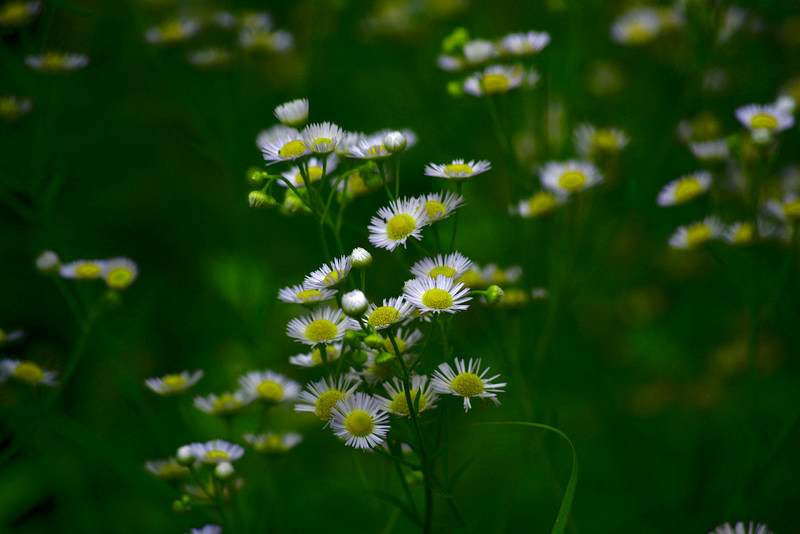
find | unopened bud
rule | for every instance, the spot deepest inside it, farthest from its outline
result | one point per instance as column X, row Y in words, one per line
column 354, row 303
column 494, row 294
column 360, row 258
column 374, row 341
column 259, row 199
column 395, row 142
column 224, row 471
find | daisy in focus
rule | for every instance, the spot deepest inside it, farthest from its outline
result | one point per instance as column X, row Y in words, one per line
column 404, row 218
column 422, row 396
column 53, row 62
column 684, row 189
column 467, row 381
column 457, row 169
column 323, row 325
column 303, row 294
column 391, row 312
column 495, row 79
column 696, row 234
column 282, row 144
column 322, row 138
column 320, row 397
column 539, row 204
column 173, row 31
column 360, row 420
column 224, row 404
column 26, row 372
column 569, row 177
column 330, row 274
column 216, row 451
column 272, row 443
column 452, row 266
column 439, row 206
column 437, row 295
column 269, row 387
column 591, row 141
column 173, row 384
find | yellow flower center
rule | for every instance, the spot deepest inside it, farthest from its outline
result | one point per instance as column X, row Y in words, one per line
column 467, row 384
column 792, row 209
column 29, row 372
column 88, row 270
column 314, row 175
column 8, row 107
column 359, row 423
column 271, row 443
column 356, row 185
column 387, row 344
column 515, row 297
column 308, row 294
column 321, row 330
column 321, row 142
column 639, row 33
column 442, row 270
column 495, row 83
column 572, row 181
column 119, row 277
column 697, row 234
column 541, row 203
column 763, row 121
column 471, row 278
column 687, row 189
column 225, row 403
column 174, row 382
column 53, row 61
column 217, row 455
column 333, row 278
column 270, row 390
column 457, row 169
column 435, row 209
column 744, row 233
column 383, row 316
column 400, row 226
column 605, row 140
column 325, row 403
column 292, row 149
column 437, row 298
column 172, row 32
column 14, row 13
column 400, row 406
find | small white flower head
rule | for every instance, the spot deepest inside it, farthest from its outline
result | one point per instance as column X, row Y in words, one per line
column 695, row 234
column 13, row 107
column 314, row 358
column 209, row 57
column 524, row 44
column 786, row 209
column 467, row 381
column 591, row 141
column 458, row 169
column 173, row 31
column 8, row 337
column 273, row 443
column 495, row 79
column 268, row 136
column 224, row 404
column 539, row 204
column 354, row 303
column 52, row 62
column 269, row 387
column 439, row 206
column 119, row 273
column 450, row 63
column 168, row 469
column 437, row 295
column 452, row 265
column 18, row 13
column 303, row 294
column 173, row 384
column 370, row 147
column 360, row 258
column 317, row 169
column 360, row 420
column 323, row 325
column 741, row 528
column 569, row 177
column 396, row 402
column 739, row 233
column 785, row 104
column 395, row 142
column 207, row 529
column 48, row 261
column 185, row 455
column 637, row 26
column 321, row 396
column 216, row 452
column 293, row 113
column 404, row 218
column 283, row 145
column 493, row 274
column 322, row 138
column 710, row 151
column 479, row 51
column 684, row 189
column 224, row 471
column 26, row 372
column 256, row 20
column 83, row 269
column 764, row 121
column 348, row 141
column 330, row 274
column 391, row 312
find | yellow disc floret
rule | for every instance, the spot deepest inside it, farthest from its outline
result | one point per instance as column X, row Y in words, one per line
column 321, row 330
column 359, row 423
column 270, row 390
column 292, row 149
column 572, row 180
column 383, row 316
column 325, row 403
column 437, row 298
column 399, row 404
column 467, row 384
column 400, row 226
column 29, row 372
column 687, row 188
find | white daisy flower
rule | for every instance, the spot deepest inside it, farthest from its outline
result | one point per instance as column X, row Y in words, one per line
column 8, row 337
column 710, row 151
column 347, row 142
column 764, row 118
column 467, row 381
column 48, row 261
column 439, row 206
column 495, row 79
column 269, row 387
column 389, row 313
column 323, row 325
column 540, row 203
column 285, row 145
column 360, row 420
column 436, row 295
column 637, row 26
column 396, row 402
column 168, row 469
column 393, row 225
column 317, row 170
column 293, row 113
column 330, row 274
column 119, row 273
column 786, row 209
column 207, row 529
column 57, row 62
column 27, row 372
column 173, row 31
column 741, row 528
column 569, row 177
column 173, row 383
column 739, row 233
column 216, row 451
column 13, row 107
column 370, row 147
column 452, row 266
column 268, row 136
column 303, row 294
column 479, row 51
column 457, row 169
column 684, row 188
column 314, row 358
column 256, row 19
column 590, row 140
column 224, row 404
column 695, row 234
column 18, row 13
column 493, row 274
column 320, row 397
column 273, row 443
column 83, row 269
column 785, row 104
column 523, row 44
column 322, row 138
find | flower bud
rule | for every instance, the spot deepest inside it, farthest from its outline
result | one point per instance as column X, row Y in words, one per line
column 358, row 357
column 48, row 262
column 352, row 338
column 374, row 341
column 259, row 199
column 256, row 176
column 494, row 294
column 360, row 258
column 224, row 471
column 454, row 88
column 395, row 142
column 185, row 456
column 354, row 303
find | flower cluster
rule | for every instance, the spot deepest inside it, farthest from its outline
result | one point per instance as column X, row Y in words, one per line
column 118, row 273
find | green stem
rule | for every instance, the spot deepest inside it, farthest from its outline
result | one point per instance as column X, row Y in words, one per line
column 459, row 187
